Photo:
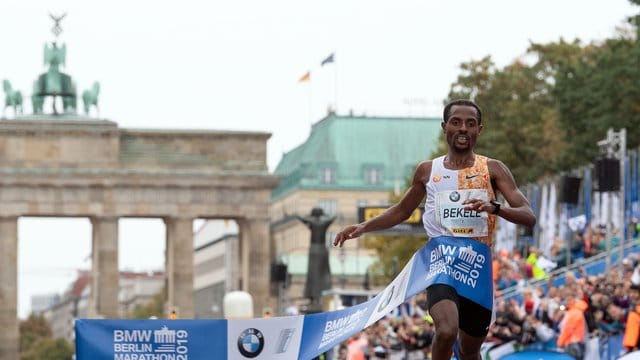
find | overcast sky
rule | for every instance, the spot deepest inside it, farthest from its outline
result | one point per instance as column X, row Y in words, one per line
column 235, row 65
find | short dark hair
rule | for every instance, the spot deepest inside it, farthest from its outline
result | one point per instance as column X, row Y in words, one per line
column 461, row 102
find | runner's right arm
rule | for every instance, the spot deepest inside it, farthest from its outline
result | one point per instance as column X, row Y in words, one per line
column 396, row 213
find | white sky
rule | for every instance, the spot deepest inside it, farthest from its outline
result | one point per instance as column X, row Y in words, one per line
column 234, row 65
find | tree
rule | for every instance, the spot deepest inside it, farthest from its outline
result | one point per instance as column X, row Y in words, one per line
column 597, row 92
column 50, row 349
column 33, row 329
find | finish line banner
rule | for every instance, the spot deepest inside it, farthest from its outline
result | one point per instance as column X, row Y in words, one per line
column 459, row 262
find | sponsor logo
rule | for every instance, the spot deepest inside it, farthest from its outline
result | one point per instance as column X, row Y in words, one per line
column 284, row 340
column 436, row 178
column 462, row 230
column 148, row 344
column 464, row 268
column 250, row 342
column 387, row 299
column 454, row 196
column 469, row 177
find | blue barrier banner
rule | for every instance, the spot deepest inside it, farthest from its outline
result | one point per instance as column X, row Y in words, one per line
column 462, row 263
column 150, row 339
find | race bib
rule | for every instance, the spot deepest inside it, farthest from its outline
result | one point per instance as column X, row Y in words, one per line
column 455, row 219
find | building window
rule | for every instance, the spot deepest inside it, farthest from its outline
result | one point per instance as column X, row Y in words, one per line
column 373, row 176
column 328, row 206
column 328, row 175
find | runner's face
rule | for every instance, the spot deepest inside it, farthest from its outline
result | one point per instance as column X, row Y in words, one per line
column 462, row 127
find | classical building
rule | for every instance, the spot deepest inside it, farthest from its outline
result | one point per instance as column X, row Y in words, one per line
column 347, row 162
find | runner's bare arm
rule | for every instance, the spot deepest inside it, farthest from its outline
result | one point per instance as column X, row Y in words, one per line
column 396, row 213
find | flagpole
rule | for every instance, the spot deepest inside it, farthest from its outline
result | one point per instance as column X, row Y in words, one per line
column 335, row 87
column 310, row 102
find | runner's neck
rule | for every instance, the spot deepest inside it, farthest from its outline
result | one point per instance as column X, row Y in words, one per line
column 457, row 162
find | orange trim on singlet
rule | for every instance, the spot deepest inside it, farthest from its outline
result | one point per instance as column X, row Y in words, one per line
column 478, row 177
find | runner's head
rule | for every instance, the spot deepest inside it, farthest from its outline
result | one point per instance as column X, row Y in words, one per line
column 462, row 123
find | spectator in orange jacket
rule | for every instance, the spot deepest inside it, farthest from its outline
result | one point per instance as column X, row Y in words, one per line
column 632, row 329
column 573, row 329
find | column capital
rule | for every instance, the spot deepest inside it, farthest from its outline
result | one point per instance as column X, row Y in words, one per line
column 253, row 220
column 104, row 217
column 178, row 218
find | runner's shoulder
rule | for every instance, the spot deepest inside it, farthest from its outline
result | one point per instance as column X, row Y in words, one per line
column 423, row 171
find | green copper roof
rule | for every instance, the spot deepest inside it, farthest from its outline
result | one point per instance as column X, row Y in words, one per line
column 354, row 146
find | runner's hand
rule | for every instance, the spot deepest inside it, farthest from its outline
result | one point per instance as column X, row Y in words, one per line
column 350, row 232
column 478, row 205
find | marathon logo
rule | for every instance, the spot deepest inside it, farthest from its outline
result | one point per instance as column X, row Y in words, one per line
column 465, row 231
column 454, row 213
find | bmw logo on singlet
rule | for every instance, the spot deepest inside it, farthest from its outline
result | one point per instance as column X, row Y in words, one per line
column 454, row 196
column 251, row 342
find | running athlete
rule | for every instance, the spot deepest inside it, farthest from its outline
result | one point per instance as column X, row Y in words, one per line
column 460, row 207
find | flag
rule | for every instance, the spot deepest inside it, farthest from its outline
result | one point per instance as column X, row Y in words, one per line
column 305, row 77
column 328, row 60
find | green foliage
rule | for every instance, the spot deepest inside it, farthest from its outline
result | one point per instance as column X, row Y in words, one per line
column 155, row 307
column 33, row 329
column 49, row 349
column 597, row 92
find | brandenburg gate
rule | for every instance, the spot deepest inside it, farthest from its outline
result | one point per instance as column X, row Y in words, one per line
column 68, row 165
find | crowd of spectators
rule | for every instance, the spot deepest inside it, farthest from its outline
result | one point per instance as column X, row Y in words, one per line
column 563, row 318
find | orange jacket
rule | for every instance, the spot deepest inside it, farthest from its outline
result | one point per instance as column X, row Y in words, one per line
column 574, row 324
column 632, row 330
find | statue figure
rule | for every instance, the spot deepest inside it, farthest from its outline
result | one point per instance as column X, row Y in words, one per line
column 318, row 271
column 90, row 97
column 11, row 98
column 54, row 82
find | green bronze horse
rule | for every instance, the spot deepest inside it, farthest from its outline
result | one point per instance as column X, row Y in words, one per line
column 12, row 98
column 90, row 97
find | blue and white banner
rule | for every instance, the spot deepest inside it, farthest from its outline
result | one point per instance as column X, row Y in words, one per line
column 459, row 262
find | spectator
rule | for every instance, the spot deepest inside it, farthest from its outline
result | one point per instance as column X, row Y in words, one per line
column 573, row 329
column 356, row 347
column 632, row 328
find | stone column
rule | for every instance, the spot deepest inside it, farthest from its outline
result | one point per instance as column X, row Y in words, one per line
column 255, row 254
column 179, row 266
column 105, row 276
column 9, row 288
